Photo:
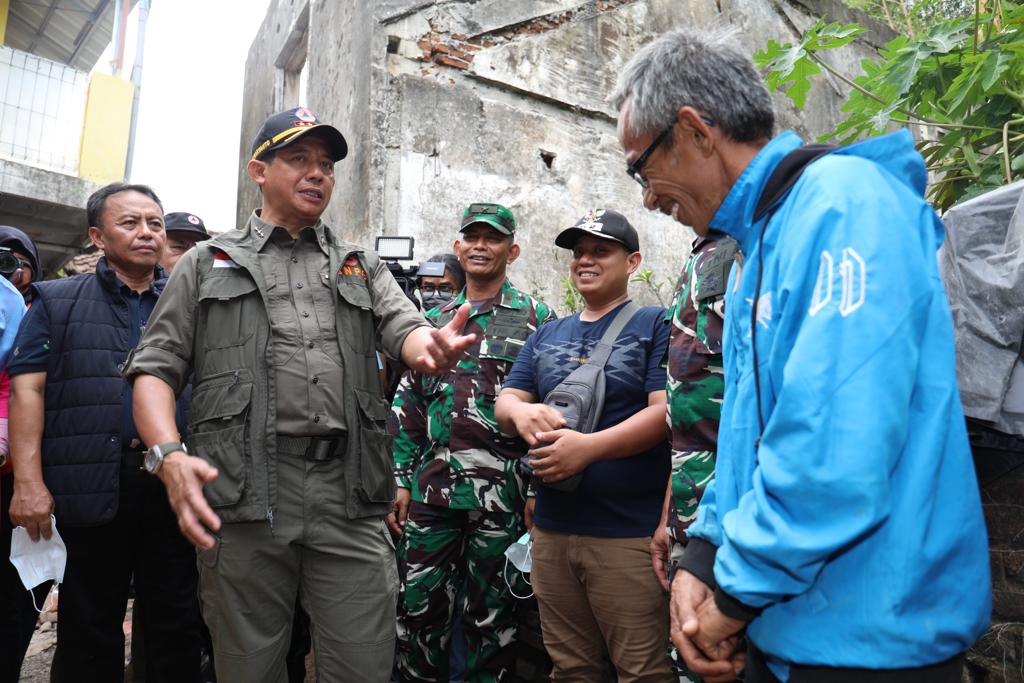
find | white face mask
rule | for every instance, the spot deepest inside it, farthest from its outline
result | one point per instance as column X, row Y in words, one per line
column 519, row 554
column 38, row 561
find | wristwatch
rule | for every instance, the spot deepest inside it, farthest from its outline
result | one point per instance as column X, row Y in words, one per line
column 156, row 454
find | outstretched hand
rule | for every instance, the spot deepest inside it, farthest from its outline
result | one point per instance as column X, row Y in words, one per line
column 443, row 347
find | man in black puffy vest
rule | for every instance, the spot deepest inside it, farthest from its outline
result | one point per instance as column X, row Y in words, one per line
column 77, row 454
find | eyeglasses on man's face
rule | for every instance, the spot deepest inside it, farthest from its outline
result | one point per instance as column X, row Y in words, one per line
column 443, row 290
column 635, row 169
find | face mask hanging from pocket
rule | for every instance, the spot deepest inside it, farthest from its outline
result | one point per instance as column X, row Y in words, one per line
column 520, row 555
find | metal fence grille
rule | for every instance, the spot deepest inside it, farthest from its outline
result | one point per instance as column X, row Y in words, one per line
column 42, row 108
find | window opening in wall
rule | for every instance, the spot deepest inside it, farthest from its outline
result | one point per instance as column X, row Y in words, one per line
column 547, row 157
column 291, row 78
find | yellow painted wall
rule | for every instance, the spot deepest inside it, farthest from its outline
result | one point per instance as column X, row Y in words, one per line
column 4, row 6
column 108, row 113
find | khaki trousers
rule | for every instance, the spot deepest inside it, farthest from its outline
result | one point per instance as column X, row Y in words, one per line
column 343, row 570
column 598, row 596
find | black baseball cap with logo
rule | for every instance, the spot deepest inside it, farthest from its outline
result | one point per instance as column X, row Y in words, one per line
column 288, row 126
column 181, row 221
column 603, row 224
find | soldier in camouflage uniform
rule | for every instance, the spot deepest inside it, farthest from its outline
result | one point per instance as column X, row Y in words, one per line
column 695, row 387
column 459, row 470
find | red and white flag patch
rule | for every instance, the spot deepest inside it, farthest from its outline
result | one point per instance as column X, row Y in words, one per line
column 222, row 260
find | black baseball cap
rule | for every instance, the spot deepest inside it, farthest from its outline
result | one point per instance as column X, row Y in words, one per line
column 288, row 126
column 604, row 224
column 181, row 221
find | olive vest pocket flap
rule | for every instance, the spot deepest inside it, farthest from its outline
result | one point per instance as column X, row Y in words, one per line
column 374, row 407
column 355, row 293
column 221, row 401
column 226, row 287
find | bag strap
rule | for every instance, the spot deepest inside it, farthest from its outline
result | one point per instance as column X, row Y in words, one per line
column 603, row 350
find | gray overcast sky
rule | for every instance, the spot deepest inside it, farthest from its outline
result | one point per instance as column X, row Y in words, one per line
column 187, row 137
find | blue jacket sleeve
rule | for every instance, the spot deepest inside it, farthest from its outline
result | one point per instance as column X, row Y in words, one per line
column 852, row 296
column 12, row 310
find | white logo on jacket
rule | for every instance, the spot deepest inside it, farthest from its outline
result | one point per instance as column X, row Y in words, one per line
column 854, row 276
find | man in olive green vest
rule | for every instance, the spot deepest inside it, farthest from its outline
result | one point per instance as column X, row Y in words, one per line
column 287, row 476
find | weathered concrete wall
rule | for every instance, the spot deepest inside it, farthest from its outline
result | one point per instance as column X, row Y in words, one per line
column 48, row 206
column 447, row 103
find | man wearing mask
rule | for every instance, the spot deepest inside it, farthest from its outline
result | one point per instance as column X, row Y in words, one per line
column 438, row 290
column 17, row 615
column 77, row 454
column 460, row 495
column 183, row 230
column 287, row 475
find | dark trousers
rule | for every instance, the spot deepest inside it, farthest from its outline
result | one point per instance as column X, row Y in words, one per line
column 17, row 616
column 142, row 539
column 757, row 671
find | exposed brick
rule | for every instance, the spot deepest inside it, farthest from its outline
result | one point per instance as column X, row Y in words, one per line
column 476, row 41
column 451, row 61
column 423, row 44
column 459, row 36
column 470, row 47
column 442, row 48
column 461, row 55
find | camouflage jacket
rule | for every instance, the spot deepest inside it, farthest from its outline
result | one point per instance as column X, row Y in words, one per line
column 449, row 450
column 695, row 386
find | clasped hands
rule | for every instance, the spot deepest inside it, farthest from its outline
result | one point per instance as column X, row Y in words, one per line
column 708, row 640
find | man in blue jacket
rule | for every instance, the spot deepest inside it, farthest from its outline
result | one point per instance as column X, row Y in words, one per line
column 843, row 533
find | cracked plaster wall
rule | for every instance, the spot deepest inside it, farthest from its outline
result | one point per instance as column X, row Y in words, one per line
column 444, row 103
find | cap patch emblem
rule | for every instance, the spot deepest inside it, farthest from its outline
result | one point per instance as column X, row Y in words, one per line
column 193, row 220
column 303, row 114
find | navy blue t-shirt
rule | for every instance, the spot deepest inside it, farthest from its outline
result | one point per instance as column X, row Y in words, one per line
column 618, row 498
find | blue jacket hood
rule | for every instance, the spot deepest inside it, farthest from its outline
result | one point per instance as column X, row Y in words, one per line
column 894, row 152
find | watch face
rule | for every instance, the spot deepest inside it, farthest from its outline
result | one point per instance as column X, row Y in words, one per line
column 152, row 461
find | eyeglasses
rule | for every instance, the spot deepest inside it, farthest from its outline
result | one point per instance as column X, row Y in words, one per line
column 444, row 291
column 635, row 169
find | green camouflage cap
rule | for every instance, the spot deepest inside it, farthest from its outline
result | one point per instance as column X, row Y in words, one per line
column 493, row 215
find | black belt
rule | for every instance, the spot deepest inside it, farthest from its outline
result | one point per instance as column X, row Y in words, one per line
column 134, row 458
column 315, row 448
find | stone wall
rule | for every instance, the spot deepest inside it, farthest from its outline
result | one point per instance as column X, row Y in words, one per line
column 447, row 103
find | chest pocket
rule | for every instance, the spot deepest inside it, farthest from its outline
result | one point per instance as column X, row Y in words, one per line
column 506, row 334
column 226, row 305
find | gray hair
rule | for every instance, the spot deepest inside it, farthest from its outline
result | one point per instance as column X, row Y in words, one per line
column 704, row 69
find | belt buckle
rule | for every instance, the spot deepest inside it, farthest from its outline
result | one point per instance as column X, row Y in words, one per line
column 321, row 449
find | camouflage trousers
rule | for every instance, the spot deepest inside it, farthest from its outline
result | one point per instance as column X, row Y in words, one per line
column 441, row 550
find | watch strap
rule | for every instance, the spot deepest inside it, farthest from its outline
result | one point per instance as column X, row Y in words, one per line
column 166, row 449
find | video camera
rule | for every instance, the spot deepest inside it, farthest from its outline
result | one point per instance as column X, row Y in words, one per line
column 395, row 249
column 9, row 262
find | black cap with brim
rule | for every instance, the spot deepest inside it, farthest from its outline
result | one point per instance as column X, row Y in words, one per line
column 182, row 221
column 602, row 224
column 286, row 127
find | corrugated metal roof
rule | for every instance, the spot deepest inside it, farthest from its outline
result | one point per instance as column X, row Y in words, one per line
column 74, row 32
